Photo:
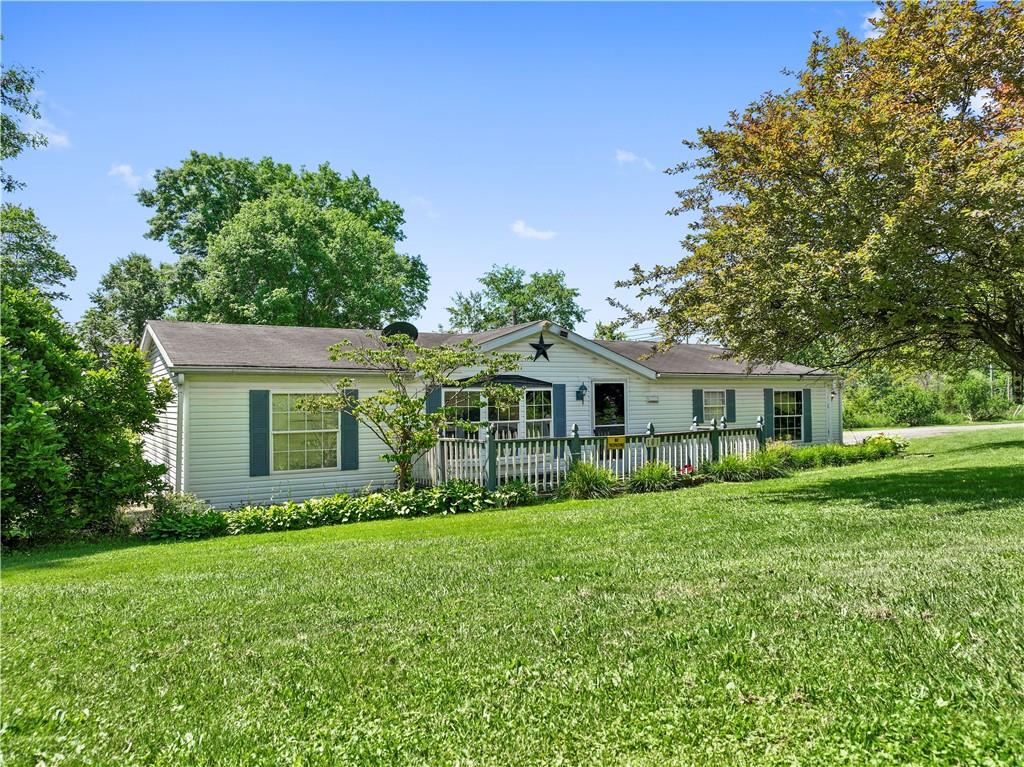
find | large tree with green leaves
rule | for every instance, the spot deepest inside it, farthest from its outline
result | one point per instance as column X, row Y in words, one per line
column 17, row 86
column 284, row 260
column 509, row 298
column 192, row 202
column 133, row 291
column 398, row 414
column 28, row 256
column 871, row 212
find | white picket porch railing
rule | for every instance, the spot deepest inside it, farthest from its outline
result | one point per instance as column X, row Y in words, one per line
column 542, row 462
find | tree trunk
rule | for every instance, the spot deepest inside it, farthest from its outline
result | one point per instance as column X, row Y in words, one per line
column 404, row 471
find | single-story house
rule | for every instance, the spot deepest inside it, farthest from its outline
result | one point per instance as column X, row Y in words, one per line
column 232, row 435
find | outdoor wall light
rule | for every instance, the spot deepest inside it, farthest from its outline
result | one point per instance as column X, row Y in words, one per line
column 581, row 393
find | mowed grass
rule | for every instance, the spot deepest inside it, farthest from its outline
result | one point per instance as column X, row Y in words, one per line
column 870, row 614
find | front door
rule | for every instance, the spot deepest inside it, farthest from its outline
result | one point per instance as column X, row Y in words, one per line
column 609, row 409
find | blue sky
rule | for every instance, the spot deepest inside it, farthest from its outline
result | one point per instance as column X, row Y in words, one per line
column 528, row 134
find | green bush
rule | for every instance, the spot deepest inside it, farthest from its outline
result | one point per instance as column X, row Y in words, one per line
column 779, row 458
column 731, row 468
column 184, row 516
column 652, row 477
column 585, row 480
column 764, row 464
column 457, row 496
column 514, row 493
column 70, row 449
column 971, row 397
column 909, row 404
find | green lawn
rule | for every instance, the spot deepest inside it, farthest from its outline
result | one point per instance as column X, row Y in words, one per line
column 867, row 614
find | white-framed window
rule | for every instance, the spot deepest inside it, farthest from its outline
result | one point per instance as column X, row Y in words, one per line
column 714, row 405
column 505, row 420
column 539, row 412
column 789, row 415
column 468, row 406
column 300, row 439
column 531, row 416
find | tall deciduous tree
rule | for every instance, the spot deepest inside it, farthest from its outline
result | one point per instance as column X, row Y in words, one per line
column 508, row 298
column 285, row 260
column 194, row 200
column 28, row 257
column 132, row 292
column 873, row 211
column 16, row 88
column 609, row 331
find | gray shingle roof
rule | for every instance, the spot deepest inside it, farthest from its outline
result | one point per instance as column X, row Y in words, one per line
column 216, row 345
column 213, row 345
column 697, row 359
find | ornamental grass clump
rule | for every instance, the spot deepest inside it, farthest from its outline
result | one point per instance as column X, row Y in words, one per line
column 585, row 481
column 652, row 477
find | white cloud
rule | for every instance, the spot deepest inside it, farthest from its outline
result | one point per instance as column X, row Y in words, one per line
column 529, row 233
column 867, row 27
column 624, row 157
column 55, row 137
column 125, row 172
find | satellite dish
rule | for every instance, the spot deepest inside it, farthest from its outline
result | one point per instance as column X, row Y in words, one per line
column 403, row 328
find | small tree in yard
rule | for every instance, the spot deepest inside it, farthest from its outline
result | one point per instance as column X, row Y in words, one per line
column 398, row 413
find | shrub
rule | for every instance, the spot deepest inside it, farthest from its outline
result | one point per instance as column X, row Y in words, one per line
column 911, row 405
column 182, row 515
column 764, row 464
column 731, row 468
column 971, row 397
column 316, row 512
column 585, row 480
column 70, row 449
column 457, row 496
column 514, row 493
column 883, row 446
column 652, row 477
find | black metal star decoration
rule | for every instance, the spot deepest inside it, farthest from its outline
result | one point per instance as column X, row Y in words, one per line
column 541, row 349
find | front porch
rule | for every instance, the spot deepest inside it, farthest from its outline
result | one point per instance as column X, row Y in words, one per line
column 542, row 462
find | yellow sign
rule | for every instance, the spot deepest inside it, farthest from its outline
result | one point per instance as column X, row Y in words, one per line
column 616, row 442
column 653, row 441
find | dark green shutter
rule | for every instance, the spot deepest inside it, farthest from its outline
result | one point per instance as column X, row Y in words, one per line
column 558, row 409
column 259, row 432
column 769, row 413
column 698, row 405
column 434, row 399
column 730, row 406
column 806, row 408
column 349, row 452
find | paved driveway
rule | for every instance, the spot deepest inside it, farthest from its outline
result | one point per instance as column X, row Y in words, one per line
column 852, row 437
